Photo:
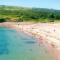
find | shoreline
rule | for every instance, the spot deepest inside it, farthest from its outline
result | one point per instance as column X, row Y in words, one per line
column 44, row 33
column 52, row 44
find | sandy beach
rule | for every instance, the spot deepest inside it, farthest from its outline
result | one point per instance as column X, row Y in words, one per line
column 46, row 34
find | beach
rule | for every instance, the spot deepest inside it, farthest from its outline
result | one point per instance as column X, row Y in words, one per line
column 47, row 34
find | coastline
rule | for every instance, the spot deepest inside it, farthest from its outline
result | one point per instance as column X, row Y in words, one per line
column 45, row 34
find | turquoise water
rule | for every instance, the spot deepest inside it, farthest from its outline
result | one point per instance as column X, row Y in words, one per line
column 19, row 46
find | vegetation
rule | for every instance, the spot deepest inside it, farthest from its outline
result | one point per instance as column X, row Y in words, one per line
column 20, row 14
column 2, row 20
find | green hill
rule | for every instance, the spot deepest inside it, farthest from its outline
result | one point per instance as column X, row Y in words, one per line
column 14, row 13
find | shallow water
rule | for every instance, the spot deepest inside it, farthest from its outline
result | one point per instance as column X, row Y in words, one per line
column 19, row 46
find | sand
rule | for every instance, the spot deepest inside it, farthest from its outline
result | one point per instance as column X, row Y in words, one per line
column 46, row 34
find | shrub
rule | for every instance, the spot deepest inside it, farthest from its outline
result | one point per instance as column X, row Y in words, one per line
column 2, row 20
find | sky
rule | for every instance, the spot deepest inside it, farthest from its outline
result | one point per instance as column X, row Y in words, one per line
column 51, row 4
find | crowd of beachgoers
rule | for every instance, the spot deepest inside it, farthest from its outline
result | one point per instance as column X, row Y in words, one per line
column 47, row 34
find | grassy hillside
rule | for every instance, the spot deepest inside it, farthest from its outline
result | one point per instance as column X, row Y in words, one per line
column 14, row 13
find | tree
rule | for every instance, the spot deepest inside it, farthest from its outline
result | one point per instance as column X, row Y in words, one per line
column 51, row 17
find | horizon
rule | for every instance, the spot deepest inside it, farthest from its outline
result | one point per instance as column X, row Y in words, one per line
column 35, row 3
column 29, row 7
